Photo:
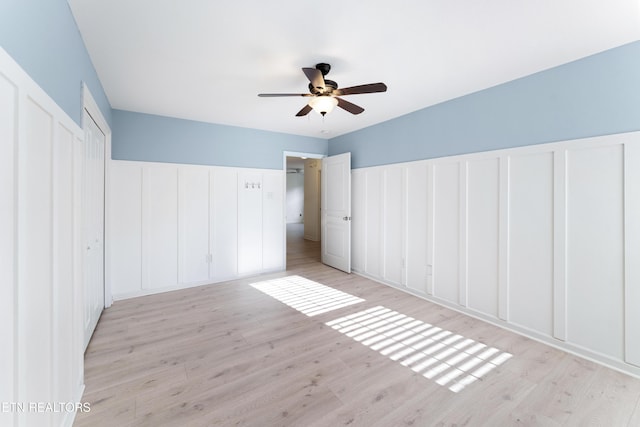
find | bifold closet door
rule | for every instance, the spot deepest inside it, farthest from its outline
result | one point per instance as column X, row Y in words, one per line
column 93, row 224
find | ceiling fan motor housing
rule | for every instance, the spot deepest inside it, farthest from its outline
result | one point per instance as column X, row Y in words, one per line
column 324, row 68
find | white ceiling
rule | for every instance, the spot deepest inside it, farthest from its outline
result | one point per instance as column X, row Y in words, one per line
column 207, row 60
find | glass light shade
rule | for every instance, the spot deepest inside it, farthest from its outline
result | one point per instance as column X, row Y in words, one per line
column 323, row 104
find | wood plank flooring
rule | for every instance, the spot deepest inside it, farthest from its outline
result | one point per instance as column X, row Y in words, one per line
column 228, row 354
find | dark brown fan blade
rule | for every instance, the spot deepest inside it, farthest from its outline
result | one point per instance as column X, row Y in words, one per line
column 315, row 77
column 350, row 107
column 271, row 95
column 369, row 88
column 307, row 108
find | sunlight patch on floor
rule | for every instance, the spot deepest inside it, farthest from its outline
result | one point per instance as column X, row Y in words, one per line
column 306, row 296
column 449, row 359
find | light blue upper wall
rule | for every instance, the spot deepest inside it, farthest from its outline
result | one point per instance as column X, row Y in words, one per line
column 597, row 95
column 42, row 36
column 151, row 138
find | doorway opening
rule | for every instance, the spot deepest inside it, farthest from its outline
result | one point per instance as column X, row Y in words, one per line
column 302, row 208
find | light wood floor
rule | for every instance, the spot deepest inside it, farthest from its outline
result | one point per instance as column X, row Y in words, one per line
column 228, row 354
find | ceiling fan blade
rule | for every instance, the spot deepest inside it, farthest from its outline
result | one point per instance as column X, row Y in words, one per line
column 305, row 110
column 368, row 88
column 350, row 107
column 315, row 77
column 271, row 95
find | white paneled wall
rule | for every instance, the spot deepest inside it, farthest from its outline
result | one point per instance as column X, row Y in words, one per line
column 544, row 240
column 40, row 270
column 174, row 226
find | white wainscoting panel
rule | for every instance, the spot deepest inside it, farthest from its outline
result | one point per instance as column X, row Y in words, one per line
column 63, row 321
column 483, row 205
column 224, row 223
column 543, row 240
column 358, row 216
column 35, row 243
column 560, row 243
column 160, row 227
column 531, row 241
column 595, row 248
column 272, row 224
column 8, row 291
column 125, row 228
column 250, row 188
column 446, row 231
column 393, row 203
column 40, row 270
column 193, row 214
column 632, row 251
column 418, row 185
column 373, row 222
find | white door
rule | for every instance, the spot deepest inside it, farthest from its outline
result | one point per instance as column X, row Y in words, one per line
column 336, row 211
column 93, row 225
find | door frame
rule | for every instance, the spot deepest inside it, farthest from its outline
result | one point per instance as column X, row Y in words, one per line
column 286, row 154
column 89, row 103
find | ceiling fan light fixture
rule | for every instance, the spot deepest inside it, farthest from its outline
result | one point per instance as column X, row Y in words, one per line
column 323, row 104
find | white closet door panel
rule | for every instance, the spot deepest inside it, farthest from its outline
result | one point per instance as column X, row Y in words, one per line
column 531, row 241
column 160, row 227
column 35, row 259
column 272, row 221
column 224, row 223
column 373, row 225
column 249, row 223
column 194, row 224
column 393, row 225
column 446, row 231
column 8, row 145
column 63, row 270
column 125, row 228
column 595, row 244
column 483, row 204
column 358, row 220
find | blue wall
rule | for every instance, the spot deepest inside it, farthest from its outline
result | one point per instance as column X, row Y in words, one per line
column 593, row 96
column 597, row 95
column 146, row 137
column 42, row 36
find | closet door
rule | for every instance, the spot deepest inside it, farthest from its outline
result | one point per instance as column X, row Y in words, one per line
column 93, row 224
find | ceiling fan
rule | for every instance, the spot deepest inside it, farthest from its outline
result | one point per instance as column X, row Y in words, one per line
column 325, row 94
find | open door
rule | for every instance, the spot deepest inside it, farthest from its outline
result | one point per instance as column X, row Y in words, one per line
column 336, row 211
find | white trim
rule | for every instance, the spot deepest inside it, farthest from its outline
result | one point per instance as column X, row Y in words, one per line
column 91, row 106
